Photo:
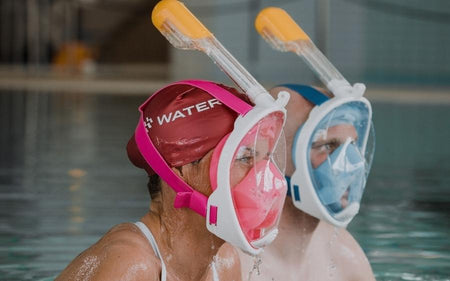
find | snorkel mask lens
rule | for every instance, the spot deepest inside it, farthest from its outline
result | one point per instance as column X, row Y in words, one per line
column 339, row 160
column 256, row 178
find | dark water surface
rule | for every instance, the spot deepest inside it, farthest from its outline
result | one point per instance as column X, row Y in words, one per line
column 65, row 180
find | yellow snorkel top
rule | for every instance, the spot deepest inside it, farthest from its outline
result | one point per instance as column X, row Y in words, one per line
column 277, row 24
column 176, row 13
column 284, row 34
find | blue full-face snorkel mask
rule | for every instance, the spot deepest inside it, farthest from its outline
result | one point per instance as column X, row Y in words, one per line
column 332, row 154
column 311, row 184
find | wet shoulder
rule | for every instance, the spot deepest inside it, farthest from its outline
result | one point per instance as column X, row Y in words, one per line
column 351, row 262
column 123, row 253
column 225, row 265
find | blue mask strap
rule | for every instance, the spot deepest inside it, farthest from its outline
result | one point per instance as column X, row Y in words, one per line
column 309, row 93
column 288, row 180
column 296, row 189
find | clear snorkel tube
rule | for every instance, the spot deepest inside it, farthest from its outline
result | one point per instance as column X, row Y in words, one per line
column 184, row 31
column 284, row 34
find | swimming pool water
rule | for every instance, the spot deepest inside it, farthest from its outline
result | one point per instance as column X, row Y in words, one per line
column 404, row 224
column 65, row 180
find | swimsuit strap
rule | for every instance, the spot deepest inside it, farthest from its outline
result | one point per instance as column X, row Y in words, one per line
column 214, row 270
column 144, row 229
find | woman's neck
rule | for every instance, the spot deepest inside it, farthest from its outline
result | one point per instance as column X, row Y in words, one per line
column 181, row 235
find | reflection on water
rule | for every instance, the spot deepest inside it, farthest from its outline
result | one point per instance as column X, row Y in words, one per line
column 65, row 180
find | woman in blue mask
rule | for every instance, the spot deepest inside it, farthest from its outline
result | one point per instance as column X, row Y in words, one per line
column 326, row 186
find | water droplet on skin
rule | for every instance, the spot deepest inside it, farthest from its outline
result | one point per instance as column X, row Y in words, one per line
column 332, row 265
column 88, row 268
column 334, row 237
column 257, row 261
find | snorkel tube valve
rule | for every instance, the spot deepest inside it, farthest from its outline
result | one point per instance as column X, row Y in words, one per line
column 341, row 88
column 283, row 98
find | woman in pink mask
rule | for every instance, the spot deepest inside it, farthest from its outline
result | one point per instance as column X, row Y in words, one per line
column 178, row 142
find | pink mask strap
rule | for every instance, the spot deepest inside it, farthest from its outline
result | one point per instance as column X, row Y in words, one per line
column 193, row 200
column 221, row 94
column 186, row 196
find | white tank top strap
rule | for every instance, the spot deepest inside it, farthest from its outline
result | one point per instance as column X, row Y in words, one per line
column 152, row 241
column 214, row 270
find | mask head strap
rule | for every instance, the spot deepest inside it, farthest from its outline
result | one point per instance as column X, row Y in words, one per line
column 186, row 195
column 308, row 93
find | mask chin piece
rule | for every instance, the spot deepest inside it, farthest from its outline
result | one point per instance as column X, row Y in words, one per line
column 348, row 213
column 266, row 240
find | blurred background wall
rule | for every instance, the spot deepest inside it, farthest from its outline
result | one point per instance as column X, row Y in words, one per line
column 380, row 42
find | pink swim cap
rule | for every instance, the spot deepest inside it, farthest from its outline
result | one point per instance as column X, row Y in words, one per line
column 184, row 123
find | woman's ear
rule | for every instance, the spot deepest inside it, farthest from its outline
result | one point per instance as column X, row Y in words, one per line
column 178, row 171
column 196, row 174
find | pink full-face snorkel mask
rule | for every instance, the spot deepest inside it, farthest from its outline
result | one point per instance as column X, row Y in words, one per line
column 250, row 201
column 257, row 184
column 250, row 163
